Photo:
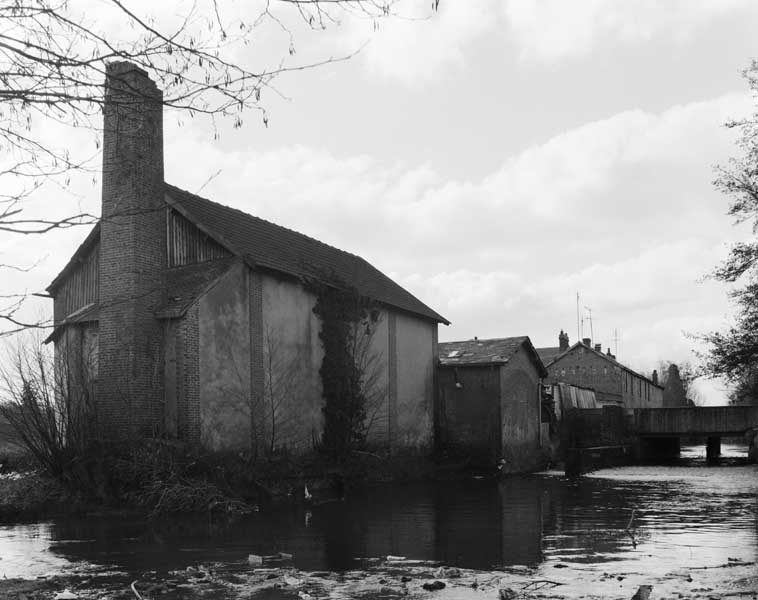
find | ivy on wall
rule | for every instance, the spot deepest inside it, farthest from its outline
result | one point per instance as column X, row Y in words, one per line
column 347, row 319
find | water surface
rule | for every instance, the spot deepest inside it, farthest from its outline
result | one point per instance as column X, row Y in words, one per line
column 645, row 520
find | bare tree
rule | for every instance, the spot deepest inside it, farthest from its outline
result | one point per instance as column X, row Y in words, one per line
column 52, row 66
column 50, row 404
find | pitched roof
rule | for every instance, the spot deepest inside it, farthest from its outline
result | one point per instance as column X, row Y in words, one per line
column 185, row 284
column 92, row 237
column 610, row 359
column 89, row 313
column 496, row 351
column 548, row 354
column 274, row 247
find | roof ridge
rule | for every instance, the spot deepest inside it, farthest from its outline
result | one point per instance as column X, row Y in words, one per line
column 512, row 337
column 250, row 216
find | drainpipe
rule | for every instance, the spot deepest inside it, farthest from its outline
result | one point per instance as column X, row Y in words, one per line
column 539, row 411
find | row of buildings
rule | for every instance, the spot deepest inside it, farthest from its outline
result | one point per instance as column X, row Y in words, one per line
column 192, row 320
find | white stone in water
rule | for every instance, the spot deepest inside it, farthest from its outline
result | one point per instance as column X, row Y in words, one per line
column 65, row 595
column 254, row 559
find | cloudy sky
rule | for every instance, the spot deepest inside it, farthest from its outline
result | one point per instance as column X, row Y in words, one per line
column 496, row 159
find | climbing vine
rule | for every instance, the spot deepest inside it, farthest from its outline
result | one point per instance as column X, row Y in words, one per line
column 347, row 319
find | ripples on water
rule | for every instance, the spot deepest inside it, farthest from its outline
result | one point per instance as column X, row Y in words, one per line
column 687, row 513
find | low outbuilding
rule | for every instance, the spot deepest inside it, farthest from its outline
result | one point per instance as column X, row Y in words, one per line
column 489, row 394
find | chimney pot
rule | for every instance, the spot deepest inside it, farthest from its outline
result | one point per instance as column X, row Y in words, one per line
column 599, row 348
column 587, row 342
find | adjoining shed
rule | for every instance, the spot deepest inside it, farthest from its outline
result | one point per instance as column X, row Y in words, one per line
column 490, row 402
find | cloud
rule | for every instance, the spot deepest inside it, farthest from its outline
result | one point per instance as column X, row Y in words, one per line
column 619, row 209
column 552, row 30
column 421, row 46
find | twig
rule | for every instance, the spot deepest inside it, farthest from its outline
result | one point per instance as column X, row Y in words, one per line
column 134, row 589
column 629, row 531
column 540, row 583
column 631, row 520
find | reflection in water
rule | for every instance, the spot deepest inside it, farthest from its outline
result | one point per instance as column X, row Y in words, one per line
column 708, row 512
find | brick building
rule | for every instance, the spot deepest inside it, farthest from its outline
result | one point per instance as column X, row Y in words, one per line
column 586, row 366
column 193, row 320
column 490, row 402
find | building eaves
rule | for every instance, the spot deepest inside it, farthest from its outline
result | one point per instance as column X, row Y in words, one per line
column 89, row 313
column 92, row 237
column 496, row 351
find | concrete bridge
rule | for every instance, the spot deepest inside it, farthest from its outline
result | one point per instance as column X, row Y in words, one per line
column 660, row 424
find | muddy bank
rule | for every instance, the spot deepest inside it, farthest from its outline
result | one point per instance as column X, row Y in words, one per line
column 211, row 484
column 26, row 496
column 385, row 578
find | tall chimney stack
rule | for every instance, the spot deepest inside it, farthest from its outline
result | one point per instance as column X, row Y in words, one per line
column 563, row 341
column 132, row 252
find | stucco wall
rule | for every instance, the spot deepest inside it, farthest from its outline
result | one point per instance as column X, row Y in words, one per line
column 292, row 356
column 470, row 412
column 520, row 413
column 288, row 411
column 224, row 359
column 377, row 376
column 415, row 343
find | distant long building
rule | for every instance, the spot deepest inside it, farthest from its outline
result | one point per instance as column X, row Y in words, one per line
column 586, row 366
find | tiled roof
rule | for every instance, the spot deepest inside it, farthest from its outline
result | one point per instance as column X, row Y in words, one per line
column 274, row 247
column 185, row 284
column 548, row 354
column 486, row 352
column 86, row 314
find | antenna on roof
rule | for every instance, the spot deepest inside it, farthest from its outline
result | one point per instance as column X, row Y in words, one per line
column 592, row 331
column 616, row 341
column 578, row 329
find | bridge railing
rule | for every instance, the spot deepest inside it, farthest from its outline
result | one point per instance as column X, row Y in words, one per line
column 699, row 420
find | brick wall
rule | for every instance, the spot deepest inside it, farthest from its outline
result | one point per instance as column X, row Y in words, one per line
column 584, row 368
column 612, row 383
column 132, row 253
column 188, row 377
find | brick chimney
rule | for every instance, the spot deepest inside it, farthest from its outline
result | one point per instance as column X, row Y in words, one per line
column 587, row 342
column 563, row 341
column 132, row 252
column 599, row 348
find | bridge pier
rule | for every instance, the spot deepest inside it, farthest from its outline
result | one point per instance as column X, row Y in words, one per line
column 713, row 447
column 752, row 439
column 658, row 448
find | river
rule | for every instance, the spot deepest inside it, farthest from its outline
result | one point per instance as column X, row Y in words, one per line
column 688, row 525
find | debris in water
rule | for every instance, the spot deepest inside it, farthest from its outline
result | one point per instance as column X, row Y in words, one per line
column 643, row 593
column 447, row 573
column 65, row 595
column 433, row 586
column 254, row 559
